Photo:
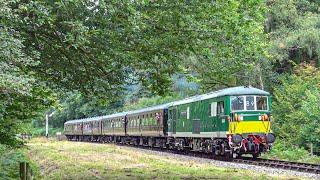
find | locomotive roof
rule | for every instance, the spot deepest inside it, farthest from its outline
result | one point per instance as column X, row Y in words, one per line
column 233, row 91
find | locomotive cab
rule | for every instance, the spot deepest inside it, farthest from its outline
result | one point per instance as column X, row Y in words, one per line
column 249, row 124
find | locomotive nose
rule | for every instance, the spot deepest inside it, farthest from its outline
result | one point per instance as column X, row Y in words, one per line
column 271, row 138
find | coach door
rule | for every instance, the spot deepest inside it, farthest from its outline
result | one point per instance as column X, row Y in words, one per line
column 174, row 120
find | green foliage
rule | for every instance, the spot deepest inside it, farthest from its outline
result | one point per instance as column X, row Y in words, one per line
column 293, row 28
column 296, row 108
column 235, row 50
column 279, row 151
column 148, row 102
column 294, row 32
column 9, row 162
column 75, row 106
column 100, row 47
column 22, row 96
column 41, row 131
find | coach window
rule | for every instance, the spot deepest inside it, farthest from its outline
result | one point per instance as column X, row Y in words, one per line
column 262, row 103
column 237, row 103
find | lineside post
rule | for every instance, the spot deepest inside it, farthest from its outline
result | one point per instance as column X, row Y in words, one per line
column 47, row 125
column 23, row 171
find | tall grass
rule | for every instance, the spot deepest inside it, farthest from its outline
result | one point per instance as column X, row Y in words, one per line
column 279, row 151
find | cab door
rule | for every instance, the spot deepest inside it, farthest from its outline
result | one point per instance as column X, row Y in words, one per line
column 221, row 118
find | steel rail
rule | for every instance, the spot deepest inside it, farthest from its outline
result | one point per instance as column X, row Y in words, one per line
column 287, row 165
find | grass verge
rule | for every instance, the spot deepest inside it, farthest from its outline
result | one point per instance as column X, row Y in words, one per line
column 78, row 160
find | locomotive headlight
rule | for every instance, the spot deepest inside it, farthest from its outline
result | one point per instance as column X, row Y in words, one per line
column 237, row 117
column 271, row 138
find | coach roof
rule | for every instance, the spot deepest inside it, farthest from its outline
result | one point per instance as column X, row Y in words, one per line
column 98, row 118
column 148, row 109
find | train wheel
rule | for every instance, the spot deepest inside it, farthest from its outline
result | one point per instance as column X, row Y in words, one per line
column 222, row 152
column 255, row 155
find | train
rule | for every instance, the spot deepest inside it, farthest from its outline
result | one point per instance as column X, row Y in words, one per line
column 229, row 122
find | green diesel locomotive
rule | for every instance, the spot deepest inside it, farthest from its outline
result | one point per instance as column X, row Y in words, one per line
column 229, row 122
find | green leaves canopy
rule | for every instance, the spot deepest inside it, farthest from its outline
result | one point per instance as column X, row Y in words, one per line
column 234, row 50
column 296, row 108
column 294, row 32
column 99, row 47
column 21, row 96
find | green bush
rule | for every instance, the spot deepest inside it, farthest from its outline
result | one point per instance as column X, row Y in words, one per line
column 296, row 108
column 281, row 151
column 36, row 132
column 9, row 162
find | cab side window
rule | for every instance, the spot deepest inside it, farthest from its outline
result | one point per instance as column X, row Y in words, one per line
column 212, row 109
column 220, row 107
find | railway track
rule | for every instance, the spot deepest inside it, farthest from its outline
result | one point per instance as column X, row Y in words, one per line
column 287, row 165
column 296, row 166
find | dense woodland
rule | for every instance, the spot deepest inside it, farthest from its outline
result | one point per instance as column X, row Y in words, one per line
column 84, row 58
